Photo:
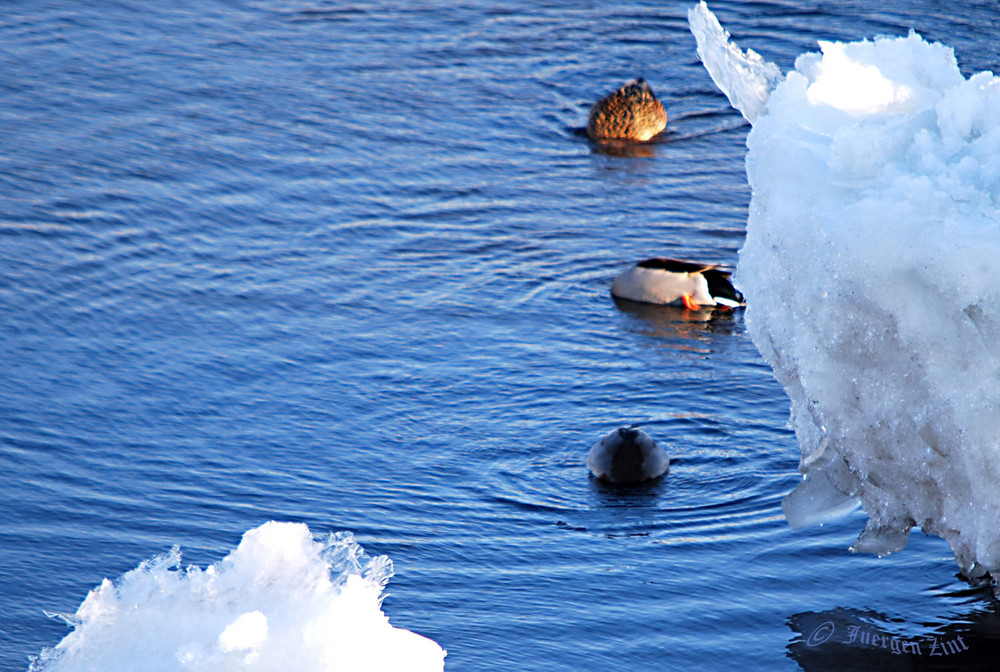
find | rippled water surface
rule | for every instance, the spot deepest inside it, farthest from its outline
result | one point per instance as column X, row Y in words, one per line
column 349, row 265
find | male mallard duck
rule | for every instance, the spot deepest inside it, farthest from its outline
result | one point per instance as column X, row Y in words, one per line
column 630, row 113
column 673, row 280
column 628, row 455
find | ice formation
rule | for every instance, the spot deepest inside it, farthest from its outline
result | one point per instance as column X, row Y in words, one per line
column 744, row 76
column 871, row 280
column 280, row 601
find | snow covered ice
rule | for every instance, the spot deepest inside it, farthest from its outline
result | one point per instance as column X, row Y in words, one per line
column 281, row 601
column 871, row 278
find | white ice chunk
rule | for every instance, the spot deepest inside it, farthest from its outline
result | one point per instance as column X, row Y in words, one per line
column 280, row 601
column 816, row 501
column 882, row 538
column 745, row 77
column 871, row 280
column 248, row 631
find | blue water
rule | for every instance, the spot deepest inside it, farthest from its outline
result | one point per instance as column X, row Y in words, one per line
column 348, row 265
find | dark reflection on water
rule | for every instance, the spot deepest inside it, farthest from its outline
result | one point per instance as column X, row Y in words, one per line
column 852, row 639
column 635, row 150
column 628, row 496
column 677, row 322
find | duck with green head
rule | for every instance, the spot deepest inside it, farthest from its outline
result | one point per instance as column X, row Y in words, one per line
column 674, row 281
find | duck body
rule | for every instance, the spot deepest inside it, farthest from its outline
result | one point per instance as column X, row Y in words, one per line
column 674, row 281
column 626, row 456
column 633, row 112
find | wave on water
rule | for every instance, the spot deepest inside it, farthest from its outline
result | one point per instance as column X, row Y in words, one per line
column 869, row 271
column 280, row 601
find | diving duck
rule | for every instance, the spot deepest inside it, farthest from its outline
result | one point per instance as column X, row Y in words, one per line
column 627, row 456
column 630, row 113
column 674, row 281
